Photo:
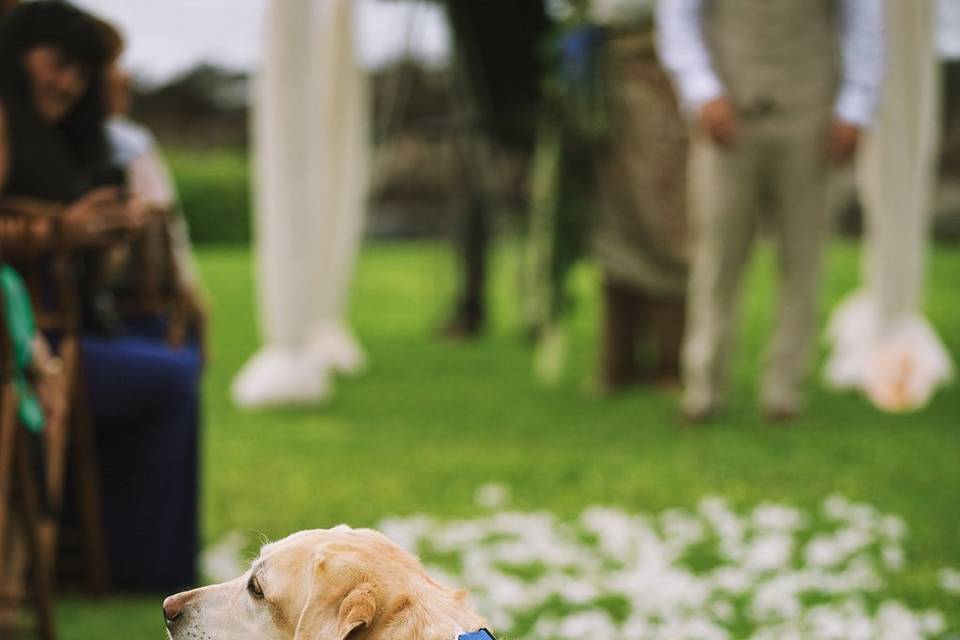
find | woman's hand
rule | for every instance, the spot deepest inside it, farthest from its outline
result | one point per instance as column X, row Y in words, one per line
column 103, row 217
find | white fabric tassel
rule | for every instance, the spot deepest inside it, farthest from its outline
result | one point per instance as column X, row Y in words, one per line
column 880, row 341
column 310, row 165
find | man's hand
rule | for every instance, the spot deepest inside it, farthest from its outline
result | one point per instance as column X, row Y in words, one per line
column 843, row 140
column 718, row 120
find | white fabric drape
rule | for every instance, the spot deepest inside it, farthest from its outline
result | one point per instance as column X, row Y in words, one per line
column 880, row 340
column 309, row 125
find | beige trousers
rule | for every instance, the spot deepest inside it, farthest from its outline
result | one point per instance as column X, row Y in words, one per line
column 779, row 166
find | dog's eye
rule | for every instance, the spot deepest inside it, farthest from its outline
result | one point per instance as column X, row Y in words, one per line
column 253, row 586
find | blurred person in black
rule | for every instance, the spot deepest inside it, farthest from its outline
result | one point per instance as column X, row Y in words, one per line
column 497, row 44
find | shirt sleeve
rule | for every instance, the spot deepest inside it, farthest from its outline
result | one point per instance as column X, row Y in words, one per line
column 683, row 52
column 862, row 52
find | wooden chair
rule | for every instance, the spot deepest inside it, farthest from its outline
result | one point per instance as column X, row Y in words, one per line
column 21, row 513
column 73, row 446
column 156, row 287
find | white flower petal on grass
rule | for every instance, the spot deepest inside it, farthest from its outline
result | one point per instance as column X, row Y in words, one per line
column 776, row 517
column 823, row 551
column 893, row 527
column 492, row 495
column 833, row 622
column 933, row 622
column 595, row 624
column 893, row 557
column 693, row 628
column 223, row 561
column 407, row 532
column 950, row 580
column 777, row 599
column 702, row 629
column 836, row 507
column 637, row 627
column 723, row 611
column 896, row 622
column 681, row 528
column 768, row 553
column 731, row 579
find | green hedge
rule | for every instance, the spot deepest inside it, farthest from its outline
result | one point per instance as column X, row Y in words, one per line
column 214, row 189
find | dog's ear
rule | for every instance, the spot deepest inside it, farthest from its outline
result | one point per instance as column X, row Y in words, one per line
column 357, row 610
column 325, row 618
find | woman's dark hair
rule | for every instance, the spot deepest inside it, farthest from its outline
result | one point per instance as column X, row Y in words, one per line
column 79, row 38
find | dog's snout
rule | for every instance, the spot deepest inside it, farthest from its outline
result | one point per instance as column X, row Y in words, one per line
column 172, row 608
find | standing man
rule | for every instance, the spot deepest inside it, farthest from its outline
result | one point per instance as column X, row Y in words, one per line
column 779, row 90
column 498, row 72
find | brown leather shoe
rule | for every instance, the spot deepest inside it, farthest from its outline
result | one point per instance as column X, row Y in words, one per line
column 463, row 325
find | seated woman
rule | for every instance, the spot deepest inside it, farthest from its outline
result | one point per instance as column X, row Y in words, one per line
column 143, row 394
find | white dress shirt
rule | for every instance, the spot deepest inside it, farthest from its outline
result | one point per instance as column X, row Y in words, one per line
column 683, row 51
column 948, row 29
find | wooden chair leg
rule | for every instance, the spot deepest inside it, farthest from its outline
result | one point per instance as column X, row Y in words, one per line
column 41, row 569
column 19, row 490
column 56, row 442
column 89, row 501
column 8, row 438
column 8, row 433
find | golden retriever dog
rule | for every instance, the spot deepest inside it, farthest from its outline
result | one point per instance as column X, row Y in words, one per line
column 325, row 584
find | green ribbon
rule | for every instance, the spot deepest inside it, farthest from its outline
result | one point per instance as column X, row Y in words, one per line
column 22, row 330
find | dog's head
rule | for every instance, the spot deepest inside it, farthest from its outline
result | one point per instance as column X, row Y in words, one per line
column 336, row 584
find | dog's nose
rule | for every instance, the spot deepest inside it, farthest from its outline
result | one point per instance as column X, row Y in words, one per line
column 172, row 608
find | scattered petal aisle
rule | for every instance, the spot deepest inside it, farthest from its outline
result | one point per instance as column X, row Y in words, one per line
column 773, row 573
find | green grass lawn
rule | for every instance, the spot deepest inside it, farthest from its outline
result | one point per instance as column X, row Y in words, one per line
column 430, row 422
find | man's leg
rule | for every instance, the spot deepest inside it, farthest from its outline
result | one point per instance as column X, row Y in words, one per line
column 470, row 312
column 800, row 184
column 722, row 209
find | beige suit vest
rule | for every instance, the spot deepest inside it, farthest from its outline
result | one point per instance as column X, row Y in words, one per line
column 775, row 56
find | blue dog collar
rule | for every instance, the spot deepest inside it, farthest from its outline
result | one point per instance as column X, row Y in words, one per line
column 482, row 634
